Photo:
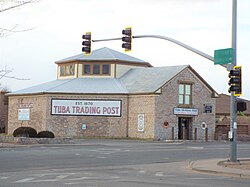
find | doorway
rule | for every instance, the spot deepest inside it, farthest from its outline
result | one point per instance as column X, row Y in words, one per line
column 184, row 128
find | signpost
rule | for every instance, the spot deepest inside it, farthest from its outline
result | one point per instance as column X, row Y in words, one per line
column 233, row 116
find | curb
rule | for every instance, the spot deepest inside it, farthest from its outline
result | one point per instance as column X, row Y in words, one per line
column 211, row 167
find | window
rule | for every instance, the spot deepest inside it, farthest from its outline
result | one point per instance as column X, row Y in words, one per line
column 185, row 94
column 105, row 69
column 62, row 70
column 86, row 69
column 67, row 70
column 96, row 69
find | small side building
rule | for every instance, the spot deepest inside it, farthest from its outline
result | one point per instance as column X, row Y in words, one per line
column 111, row 94
column 223, row 119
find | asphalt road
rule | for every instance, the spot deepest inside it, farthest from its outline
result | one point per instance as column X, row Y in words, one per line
column 94, row 163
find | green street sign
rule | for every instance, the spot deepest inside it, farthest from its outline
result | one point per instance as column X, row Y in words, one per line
column 223, row 56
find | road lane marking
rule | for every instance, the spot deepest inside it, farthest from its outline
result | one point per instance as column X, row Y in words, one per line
column 2, row 178
column 195, row 147
column 80, row 178
column 102, row 157
column 159, row 174
column 37, row 178
column 25, row 180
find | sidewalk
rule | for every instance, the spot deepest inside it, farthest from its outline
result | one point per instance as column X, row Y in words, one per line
column 222, row 167
column 9, row 145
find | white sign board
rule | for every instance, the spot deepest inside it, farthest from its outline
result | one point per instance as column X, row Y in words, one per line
column 186, row 111
column 230, row 134
column 235, row 125
column 203, row 125
column 23, row 114
column 86, row 107
column 140, row 122
column 84, row 126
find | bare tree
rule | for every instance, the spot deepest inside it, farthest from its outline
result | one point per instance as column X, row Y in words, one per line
column 11, row 4
column 5, row 72
column 8, row 5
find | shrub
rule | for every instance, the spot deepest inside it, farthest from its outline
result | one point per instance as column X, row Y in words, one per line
column 25, row 132
column 45, row 134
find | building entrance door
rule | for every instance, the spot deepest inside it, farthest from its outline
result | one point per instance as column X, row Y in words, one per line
column 184, row 128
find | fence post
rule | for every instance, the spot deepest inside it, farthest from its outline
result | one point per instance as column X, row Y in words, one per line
column 206, row 134
column 195, row 134
column 172, row 133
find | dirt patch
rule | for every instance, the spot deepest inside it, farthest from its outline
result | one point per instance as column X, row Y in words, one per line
column 242, row 164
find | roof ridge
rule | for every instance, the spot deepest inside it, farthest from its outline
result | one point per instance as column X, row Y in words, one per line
column 103, row 54
column 121, row 85
column 109, row 51
column 65, row 82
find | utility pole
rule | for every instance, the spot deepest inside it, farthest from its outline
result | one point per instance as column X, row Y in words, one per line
column 233, row 122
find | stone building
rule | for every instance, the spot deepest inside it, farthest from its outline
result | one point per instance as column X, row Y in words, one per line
column 3, row 111
column 111, row 94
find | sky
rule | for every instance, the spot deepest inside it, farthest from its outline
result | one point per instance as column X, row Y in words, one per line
column 56, row 28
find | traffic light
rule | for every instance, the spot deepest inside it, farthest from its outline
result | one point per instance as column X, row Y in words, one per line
column 127, row 39
column 86, row 49
column 241, row 106
column 235, row 81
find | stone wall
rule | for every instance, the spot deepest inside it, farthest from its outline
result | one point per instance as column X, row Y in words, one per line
column 156, row 108
column 165, row 103
column 3, row 111
column 96, row 126
column 168, row 99
column 67, row 126
column 37, row 107
column 141, row 104
column 27, row 141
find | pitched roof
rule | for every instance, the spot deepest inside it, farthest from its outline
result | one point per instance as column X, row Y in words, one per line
column 223, row 105
column 103, row 55
column 77, row 86
column 149, row 80
column 135, row 81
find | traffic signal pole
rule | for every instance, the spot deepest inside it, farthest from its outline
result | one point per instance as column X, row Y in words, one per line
column 233, row 104
column 168, row 39
column 198, row 52
column 233, row 123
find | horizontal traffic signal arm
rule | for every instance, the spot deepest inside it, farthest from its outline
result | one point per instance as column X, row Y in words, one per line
column 168, row 39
